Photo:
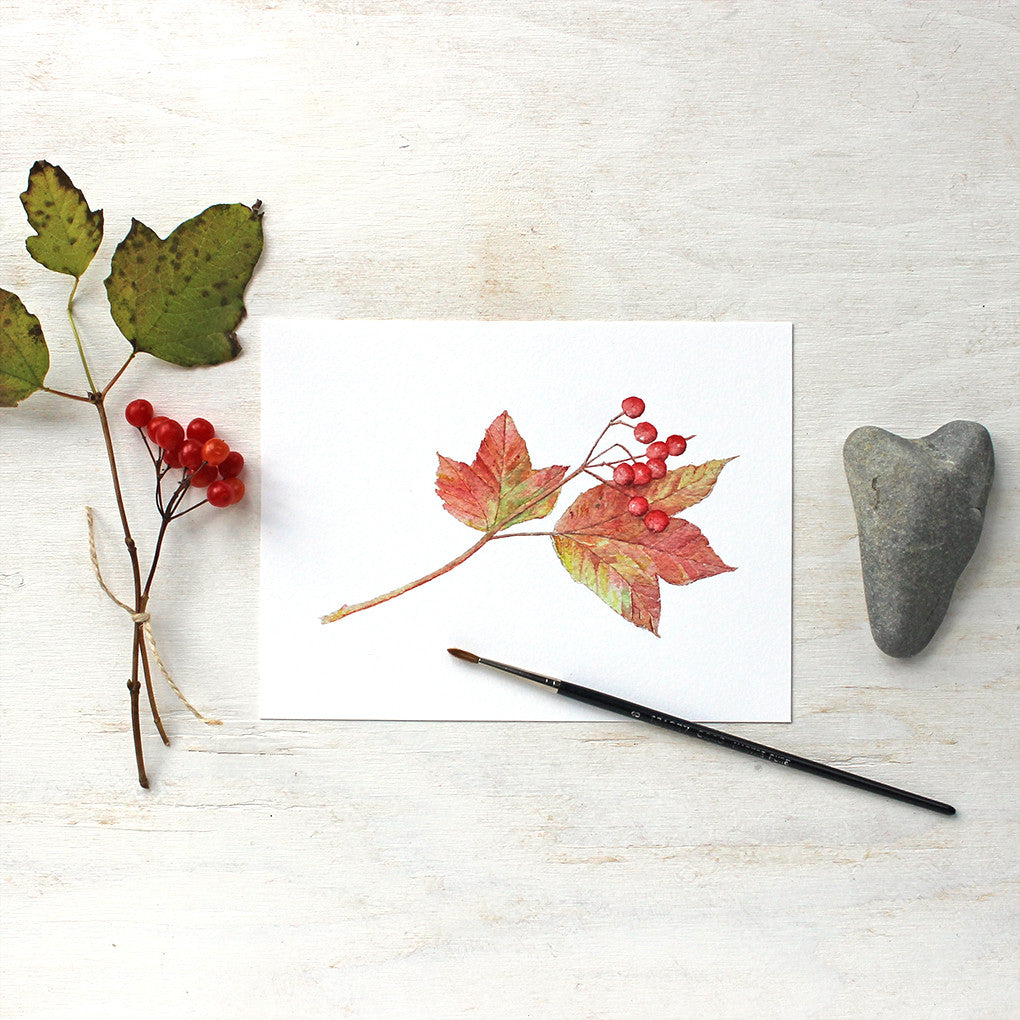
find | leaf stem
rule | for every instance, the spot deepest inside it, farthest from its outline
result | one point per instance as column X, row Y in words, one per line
column 61, row 393
column 120, row 372
column 456, row 562
column 525, row 534
column 77, row 338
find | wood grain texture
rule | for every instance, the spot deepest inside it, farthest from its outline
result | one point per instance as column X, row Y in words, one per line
column 850, row 166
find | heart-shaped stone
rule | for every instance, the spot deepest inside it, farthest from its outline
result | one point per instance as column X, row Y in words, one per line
column 920, row 505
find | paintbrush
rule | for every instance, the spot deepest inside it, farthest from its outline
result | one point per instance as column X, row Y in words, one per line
column 692, row 729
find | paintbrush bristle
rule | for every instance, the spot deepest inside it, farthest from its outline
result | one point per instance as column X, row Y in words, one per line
column 458, row 653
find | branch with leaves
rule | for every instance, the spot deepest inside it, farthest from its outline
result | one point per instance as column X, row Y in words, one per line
column 180, row 300
column 619, row 538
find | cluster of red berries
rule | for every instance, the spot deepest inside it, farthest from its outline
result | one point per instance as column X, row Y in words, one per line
column 206, row 460
column 640, row 473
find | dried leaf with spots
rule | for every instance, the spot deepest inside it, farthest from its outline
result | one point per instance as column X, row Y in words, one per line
column 68, row 232
column 611, row 552
column 181, row 299
column 500, row 488
column 24, row 356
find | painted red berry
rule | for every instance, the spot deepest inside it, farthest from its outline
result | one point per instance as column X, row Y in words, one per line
column 659, row 449
column 232, row 465
column 633, row 407
column 638, row 506
column 154, row 423
column 623, row 474
column 170, row 434
column 236, row 487
column 645, row 432
column 676, row 445
column 657, row 466
column 656, row 520
column 203, row 476
column 200, row 430
column 191, row 454
column 171, row 458
column 220, row 494
column 138, row 413
column 215, row 452
column 642, row 474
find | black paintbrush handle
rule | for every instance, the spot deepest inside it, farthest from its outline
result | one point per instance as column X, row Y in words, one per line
column 671, row 722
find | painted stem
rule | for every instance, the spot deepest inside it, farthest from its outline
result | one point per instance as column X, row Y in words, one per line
column 379, row 599
column 499, row 532
column 344, row 611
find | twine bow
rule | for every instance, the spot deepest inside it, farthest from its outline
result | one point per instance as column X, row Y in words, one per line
column 144, row 619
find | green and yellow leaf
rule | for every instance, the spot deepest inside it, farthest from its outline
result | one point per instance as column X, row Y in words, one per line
column 24, row 357
column 68, row 232
column 182, row 299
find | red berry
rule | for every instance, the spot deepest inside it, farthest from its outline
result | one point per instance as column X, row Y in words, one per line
column 215, row 452
column 657, row 466
column 660, row 450
column 138, row 413
column 623, row 474
column 677, row 445
column 154, row 423
column 191, row 454
column 638, row 506
column 232, row 465
column 170, row 434
column 656, row 520
column 172, row 458
column 220, row 494
column 642, row 474
column 645, row 432
column 236, row 487
column 203, row 476
column 200, row 430
column 633, row 407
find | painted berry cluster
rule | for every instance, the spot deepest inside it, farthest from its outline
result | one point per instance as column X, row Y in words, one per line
column 619, row 539
column 638, row 473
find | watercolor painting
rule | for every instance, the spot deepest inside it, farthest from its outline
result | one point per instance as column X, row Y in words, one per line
column 607, row 502
column 618, row 538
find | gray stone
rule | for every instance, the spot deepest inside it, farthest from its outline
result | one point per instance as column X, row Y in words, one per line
column 920, row 504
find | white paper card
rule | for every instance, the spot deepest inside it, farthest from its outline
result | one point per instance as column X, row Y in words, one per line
column 353, row 416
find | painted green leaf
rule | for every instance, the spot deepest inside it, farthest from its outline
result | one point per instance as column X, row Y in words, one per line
column 68, row 232
column 24, row 357
column 181, row 299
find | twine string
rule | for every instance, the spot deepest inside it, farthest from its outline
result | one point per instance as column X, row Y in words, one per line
column 144, row 618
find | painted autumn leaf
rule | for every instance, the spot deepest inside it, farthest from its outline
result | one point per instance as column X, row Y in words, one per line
column 181, row 299
column 500, row 487
column 24, row 356
column 68, row 232
column 610, row 551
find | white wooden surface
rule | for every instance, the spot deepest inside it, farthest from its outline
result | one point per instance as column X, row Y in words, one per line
column 850, row 166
